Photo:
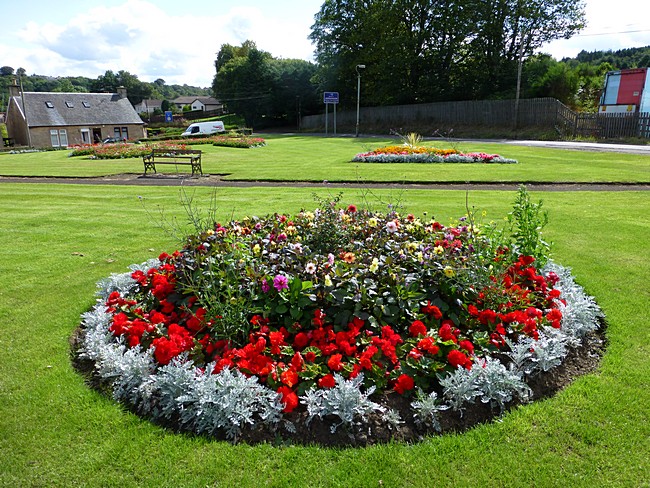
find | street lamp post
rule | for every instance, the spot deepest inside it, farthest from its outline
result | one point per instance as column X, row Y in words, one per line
column 359, row 66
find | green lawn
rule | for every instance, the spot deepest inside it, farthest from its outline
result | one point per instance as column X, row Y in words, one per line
column 58, row 240
column 311, row 158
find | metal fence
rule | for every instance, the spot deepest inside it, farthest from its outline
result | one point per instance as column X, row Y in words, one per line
column 544, row 113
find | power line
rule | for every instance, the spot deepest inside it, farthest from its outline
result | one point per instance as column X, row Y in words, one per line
column 610, row 33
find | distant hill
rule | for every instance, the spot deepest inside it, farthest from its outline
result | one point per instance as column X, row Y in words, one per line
column 635, row 57
column 137, row 89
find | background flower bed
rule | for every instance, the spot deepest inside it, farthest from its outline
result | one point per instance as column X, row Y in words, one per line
column 421, row 154
column 130, row 150
column 329, row 363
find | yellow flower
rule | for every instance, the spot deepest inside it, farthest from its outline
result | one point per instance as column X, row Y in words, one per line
column 328, row 280
column 291, row 230
column 439, row 250
column 346, row 218
column 449, row 273
column 256, row 248
column 374, row 266
column 420, row 256
column 309, row 215
column 372, row 222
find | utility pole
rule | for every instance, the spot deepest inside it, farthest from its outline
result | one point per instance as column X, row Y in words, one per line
column 359, row 66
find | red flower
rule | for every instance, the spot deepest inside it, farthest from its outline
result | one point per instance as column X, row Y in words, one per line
column 415, row 354
column 487, row 316
column 428, row 344
column 352, row 208
column 327, row 381
column 432, row 311
column 334, row 362
column 457, row 358
column 468, row 346
column 165, row 350
column 365, row 360
column 446, row 333
column 289, row 398
column 289, row 377
column 301, row 340
column 417, row 328
column 277, row 341
column 120, row 324
column 404, row 383
column 555, row 317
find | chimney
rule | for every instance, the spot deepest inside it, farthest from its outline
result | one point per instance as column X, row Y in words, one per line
column 121, row 91
column 14, row 88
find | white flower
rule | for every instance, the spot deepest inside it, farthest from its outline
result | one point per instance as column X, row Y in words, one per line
column 310, row 268
column 391, row 227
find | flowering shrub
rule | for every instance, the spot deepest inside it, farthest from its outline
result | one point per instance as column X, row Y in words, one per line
column 121, row 150
column 129, row 150
column 336, row 299
column 240, row 141
column 421, row 154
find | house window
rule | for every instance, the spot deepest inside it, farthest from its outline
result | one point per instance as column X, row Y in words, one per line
column 85, row 136
column 121, row 133
column 69, row 104
column 49, row 104
column 85, row 104
column 59, row 138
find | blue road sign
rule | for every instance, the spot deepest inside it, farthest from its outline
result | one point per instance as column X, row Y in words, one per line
column 168, row 116
column 331, row 97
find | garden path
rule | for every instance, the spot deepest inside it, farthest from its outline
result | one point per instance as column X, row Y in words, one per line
column 220, row 181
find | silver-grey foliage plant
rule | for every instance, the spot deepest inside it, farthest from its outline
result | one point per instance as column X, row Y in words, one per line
column 344, row 400
column 227, row 402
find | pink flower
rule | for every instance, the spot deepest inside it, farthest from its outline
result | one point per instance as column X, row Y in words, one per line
column 265, row 286
column 280, row 282
column 391, row 227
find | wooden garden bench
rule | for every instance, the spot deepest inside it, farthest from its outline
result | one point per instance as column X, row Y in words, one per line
column 190, row 157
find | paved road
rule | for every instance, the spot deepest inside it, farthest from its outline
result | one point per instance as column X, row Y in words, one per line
column 582, row 146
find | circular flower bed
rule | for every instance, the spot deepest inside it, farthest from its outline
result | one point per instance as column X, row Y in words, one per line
column 421, row 154
column 360, row 323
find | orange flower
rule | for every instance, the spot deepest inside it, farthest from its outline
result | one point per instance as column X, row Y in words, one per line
column 349, row 257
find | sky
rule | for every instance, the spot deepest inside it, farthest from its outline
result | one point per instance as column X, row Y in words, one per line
column 178, row 41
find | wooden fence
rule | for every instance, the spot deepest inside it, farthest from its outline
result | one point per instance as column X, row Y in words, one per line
column 544, row 113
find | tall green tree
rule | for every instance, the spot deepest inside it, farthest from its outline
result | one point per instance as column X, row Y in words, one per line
column 136, row 90
column 434, row 50
column 261, row 88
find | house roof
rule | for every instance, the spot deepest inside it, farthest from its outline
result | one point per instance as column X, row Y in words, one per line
column 203, row 100
column 50, row 109
column 152, row 102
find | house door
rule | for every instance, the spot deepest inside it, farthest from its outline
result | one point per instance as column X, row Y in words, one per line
column 97, row 135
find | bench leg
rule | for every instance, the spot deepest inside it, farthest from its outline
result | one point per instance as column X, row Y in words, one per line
column 149, row 165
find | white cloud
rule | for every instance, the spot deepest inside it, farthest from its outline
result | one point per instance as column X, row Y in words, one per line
column 141, row 38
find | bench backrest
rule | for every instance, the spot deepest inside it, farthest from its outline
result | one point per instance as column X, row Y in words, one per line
column 163, row 152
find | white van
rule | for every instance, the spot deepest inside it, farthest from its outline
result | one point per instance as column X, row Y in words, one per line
column 204, row 128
